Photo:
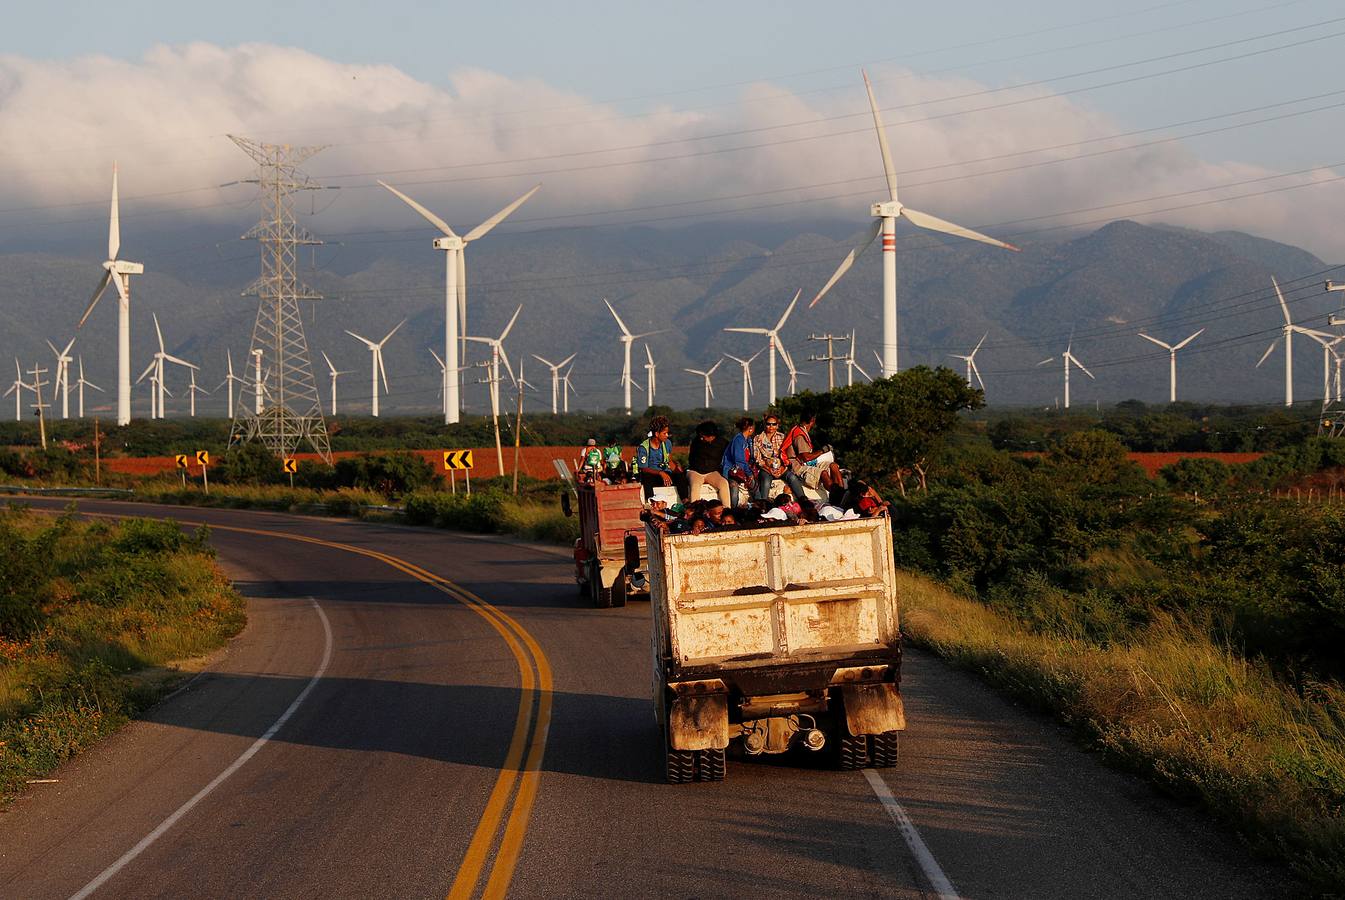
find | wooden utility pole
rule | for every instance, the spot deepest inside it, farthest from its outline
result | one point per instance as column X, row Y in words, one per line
column 518, row 427
column 37, row 372
column 97, row 453
column 831, row 357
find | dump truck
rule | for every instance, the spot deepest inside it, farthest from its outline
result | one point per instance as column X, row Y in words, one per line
column 775, row 639
column 609, row 554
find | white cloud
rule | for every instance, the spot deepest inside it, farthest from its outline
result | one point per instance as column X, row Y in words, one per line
column 468, row 148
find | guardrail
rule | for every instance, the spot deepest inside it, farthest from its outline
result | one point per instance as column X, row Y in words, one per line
column 63, row 491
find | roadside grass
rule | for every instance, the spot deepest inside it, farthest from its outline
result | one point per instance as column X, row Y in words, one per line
column 1196, row 718
column 94, row 619
column 276, row 498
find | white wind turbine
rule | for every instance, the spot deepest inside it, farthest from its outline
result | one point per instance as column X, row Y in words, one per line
column 709, row 390
column 555, row 378
column 81, row 384
column 774, row 344
column 443, row 373
column 258, row 384
column 230, row 379
column 455, row 289
column 851, row 364
column 569, row 389
column 1067, row 358
column 1327, row 341
column 156, row 373
column 496, row 354
column 887, row 212
column 627, row 339
column 747, row 374
column 62, row 385
column 376, row 364
column 192, row 391
column 970, row 359
column 650, row 371
column 1172, row 359
column 17, row 388
column 332, row 369
column 1286, row 335
column 118, row 272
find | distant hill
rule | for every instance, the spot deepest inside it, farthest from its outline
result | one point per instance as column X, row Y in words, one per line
column 690, row 283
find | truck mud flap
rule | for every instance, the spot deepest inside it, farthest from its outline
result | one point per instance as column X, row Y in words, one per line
column 699, row 722
column 873, row 708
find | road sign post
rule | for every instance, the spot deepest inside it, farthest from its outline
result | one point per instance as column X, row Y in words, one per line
column 203, row 460
column 181, row 460
column 455, row 460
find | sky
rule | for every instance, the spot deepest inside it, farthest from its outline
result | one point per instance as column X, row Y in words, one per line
column 1018, row 119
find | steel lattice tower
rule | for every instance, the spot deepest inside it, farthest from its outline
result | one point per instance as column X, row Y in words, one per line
column 291, row 410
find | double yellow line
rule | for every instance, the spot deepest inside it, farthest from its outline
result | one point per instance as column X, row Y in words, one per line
column 521, row 771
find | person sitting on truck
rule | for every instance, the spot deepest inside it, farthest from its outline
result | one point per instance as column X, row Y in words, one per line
column 590, row 460
column 802, row 459
column 614, row 467
column 867, row 501
column 736, row 464
column 704, row 458
column 766, row 456
column 653, row 460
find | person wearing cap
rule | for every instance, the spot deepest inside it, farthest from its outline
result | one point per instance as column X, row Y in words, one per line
column 704, row 458
column 590, row 459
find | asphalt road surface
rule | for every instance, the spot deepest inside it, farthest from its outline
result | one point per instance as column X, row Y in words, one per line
column 414, row 713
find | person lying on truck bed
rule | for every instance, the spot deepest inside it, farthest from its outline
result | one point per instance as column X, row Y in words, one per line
column 653, row 460
column 704, row 459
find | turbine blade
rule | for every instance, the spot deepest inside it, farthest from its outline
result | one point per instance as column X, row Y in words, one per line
column 391, row 333
column 368, row 343
column 544, row 362
column 114, row 221
column 934, row 223
column 94, row 386
column 504, row 334
column 425, row 213
column 330, row 368
column 1266, row 355
column 148, row 369
column 788, row 309
column 1049, row 359
column 1283, row 306
column 976, row 372
column 382, row 369
column 482, row 229
column 888, row 169
column 158, row 331
column 846, row 263
column 1189, row 340
column 620, row 324
column 750, row 330
column 1082, row 367
column 1156, row 341
column 504, row 358
column 181, row 362
column 97, row 295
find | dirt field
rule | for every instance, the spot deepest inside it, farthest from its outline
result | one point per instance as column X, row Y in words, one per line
column 1152, row 462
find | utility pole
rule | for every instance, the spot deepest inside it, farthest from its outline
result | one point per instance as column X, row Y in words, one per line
column 97, row 453
column 294, row 413
column 1332, row 286
column 831, row 357
column 518, row 425
column 37, row 372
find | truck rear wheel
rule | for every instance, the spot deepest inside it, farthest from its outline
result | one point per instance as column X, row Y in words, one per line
column 680, row 766
column 619, row 589
column 601, row 596
column 883, row 749
column 710, row 765
column 852, row 750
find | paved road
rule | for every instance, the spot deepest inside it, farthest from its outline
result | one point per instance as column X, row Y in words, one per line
column 418, row 714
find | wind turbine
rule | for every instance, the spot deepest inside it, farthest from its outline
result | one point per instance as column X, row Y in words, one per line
column 496, row 354
column 455, row 289
column 376, row 365
column 62, row 385
column 970, row 359
column 1327, row 341
column 258, row 385
column 887, row 212
column 773, row 343
column 118, row 272
column 192, row 391
column 569, row 389
column 793, row 372
column 332, row 369
column 650, row 371
column 555, row 377
column 851, row 364
column 709, row 391
column 627, row 339
column 747, row 373
column 1286, row 335
column 81, row 383
column 229, row 380
column 1172, row 360
column 17, row 389
column 155, row 371
column 1068, row 357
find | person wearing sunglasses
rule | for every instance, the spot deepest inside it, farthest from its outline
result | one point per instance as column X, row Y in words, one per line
column 766, row 455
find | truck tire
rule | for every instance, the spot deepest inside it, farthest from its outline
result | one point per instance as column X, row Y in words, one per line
column 883, row 749
column 710, row 765
column 680, row 765
column 619, row 589
column 601, row 596
column 852, row 751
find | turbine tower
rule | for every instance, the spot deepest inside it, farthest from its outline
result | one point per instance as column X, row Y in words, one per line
column 747, row 374
column 1286, row 335
column 17, row 388
column 851, row 364
column 650, row 371
column 192, row 391
column 709, row 390
column 970, row 359
column 155, row 372
column 774, row 344
column 81, row 384
column 1068, row 357
column 332, row 369
column 555, row 378
column 230, row 379
column 1172, row 360
column 627, row 339
column 887, row 212
column 294, row 413
column 377, row 370
column 62, row 385
column 496, row 354
column 569, row 389
column 455, row 289
column 118, row 272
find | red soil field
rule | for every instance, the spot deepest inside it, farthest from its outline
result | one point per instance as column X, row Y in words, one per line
column 1152, row 462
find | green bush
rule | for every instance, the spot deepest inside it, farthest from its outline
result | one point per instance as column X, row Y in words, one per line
column 1196, row 477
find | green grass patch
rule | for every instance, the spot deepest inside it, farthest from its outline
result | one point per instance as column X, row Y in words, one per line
column 1200, row 720
column 92, row 618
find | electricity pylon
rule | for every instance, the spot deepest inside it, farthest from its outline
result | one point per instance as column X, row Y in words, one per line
column 294, row 409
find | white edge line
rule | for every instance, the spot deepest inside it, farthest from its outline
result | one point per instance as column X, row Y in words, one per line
column 928, row 864
column 219, row 779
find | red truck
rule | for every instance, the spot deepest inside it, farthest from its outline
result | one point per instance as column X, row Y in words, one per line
column 609, row 556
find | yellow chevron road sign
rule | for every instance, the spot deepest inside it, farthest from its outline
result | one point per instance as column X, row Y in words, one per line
column 457, row 459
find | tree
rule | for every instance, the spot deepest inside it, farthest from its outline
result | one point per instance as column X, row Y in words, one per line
column 892, row 426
